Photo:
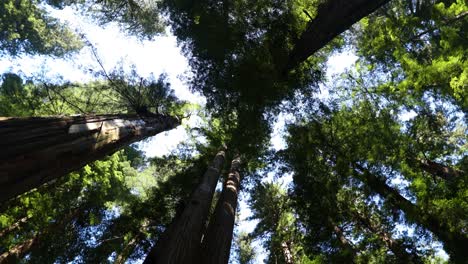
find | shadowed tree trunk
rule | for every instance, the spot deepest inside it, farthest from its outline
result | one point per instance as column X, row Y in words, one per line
column 180, row 243
column 333, row 18
column 216, row 245
column 396, row 246
column 348, row 249
column 439, row 170
column 17, row 252
column 38, row 150
column 453, row 241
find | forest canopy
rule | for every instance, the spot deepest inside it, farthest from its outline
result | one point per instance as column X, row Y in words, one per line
column 289, row 154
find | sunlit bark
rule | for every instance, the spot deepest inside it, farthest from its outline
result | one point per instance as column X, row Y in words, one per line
column 38, row 150
column 181, row 241
column 217, row 241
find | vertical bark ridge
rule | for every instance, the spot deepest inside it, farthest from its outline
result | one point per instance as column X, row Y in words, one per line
column 217, row 241
column 180, row 243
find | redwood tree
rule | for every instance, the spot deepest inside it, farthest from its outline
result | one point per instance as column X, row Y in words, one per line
column 37, row 150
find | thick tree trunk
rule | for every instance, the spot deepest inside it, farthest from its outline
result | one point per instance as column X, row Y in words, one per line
column 38, row 150
column 439, row 170
column 453, row 241
column 216, row 245
column 181, row 241
column 333, row 18
column 398, row 249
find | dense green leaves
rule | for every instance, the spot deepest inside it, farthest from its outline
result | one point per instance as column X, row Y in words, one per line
column 25, row 27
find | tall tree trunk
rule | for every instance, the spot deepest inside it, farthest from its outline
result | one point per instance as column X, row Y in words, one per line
column 216, row 245
column 439, row 170
column 453, row 241
column 38, row 150
column 15, row 253
column 180, row 243
column 14, row 226
column 287, row 252
column 128, row 249
column 348, row 250
column 398, row 249
column 333, row 18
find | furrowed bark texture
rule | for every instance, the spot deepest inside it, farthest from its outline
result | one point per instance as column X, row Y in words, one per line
column 181, row 241
column 38, row 150
column 217, row 241
column 333, row 18
column 453, row 241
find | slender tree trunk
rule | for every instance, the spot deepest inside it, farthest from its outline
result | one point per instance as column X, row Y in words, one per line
column 453, row 241
column 216, row 245
column 17, row 252
column 439, row 170
column 398, row 249
column 14, row 226
column 348, row 250
column 180, row 243
column 128, row 249
column 38, row 150
column 333, row 18
column 343, row 240
column 287, row 252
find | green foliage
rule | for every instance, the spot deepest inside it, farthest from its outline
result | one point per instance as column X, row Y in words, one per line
column 421, row 45
column 244, row 249
column 139, row 18
column 25, row 27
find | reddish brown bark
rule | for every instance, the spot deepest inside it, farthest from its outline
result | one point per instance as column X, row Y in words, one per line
column 38, row 150
column 216, row 245
column 333, row 18
column 181, row 241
